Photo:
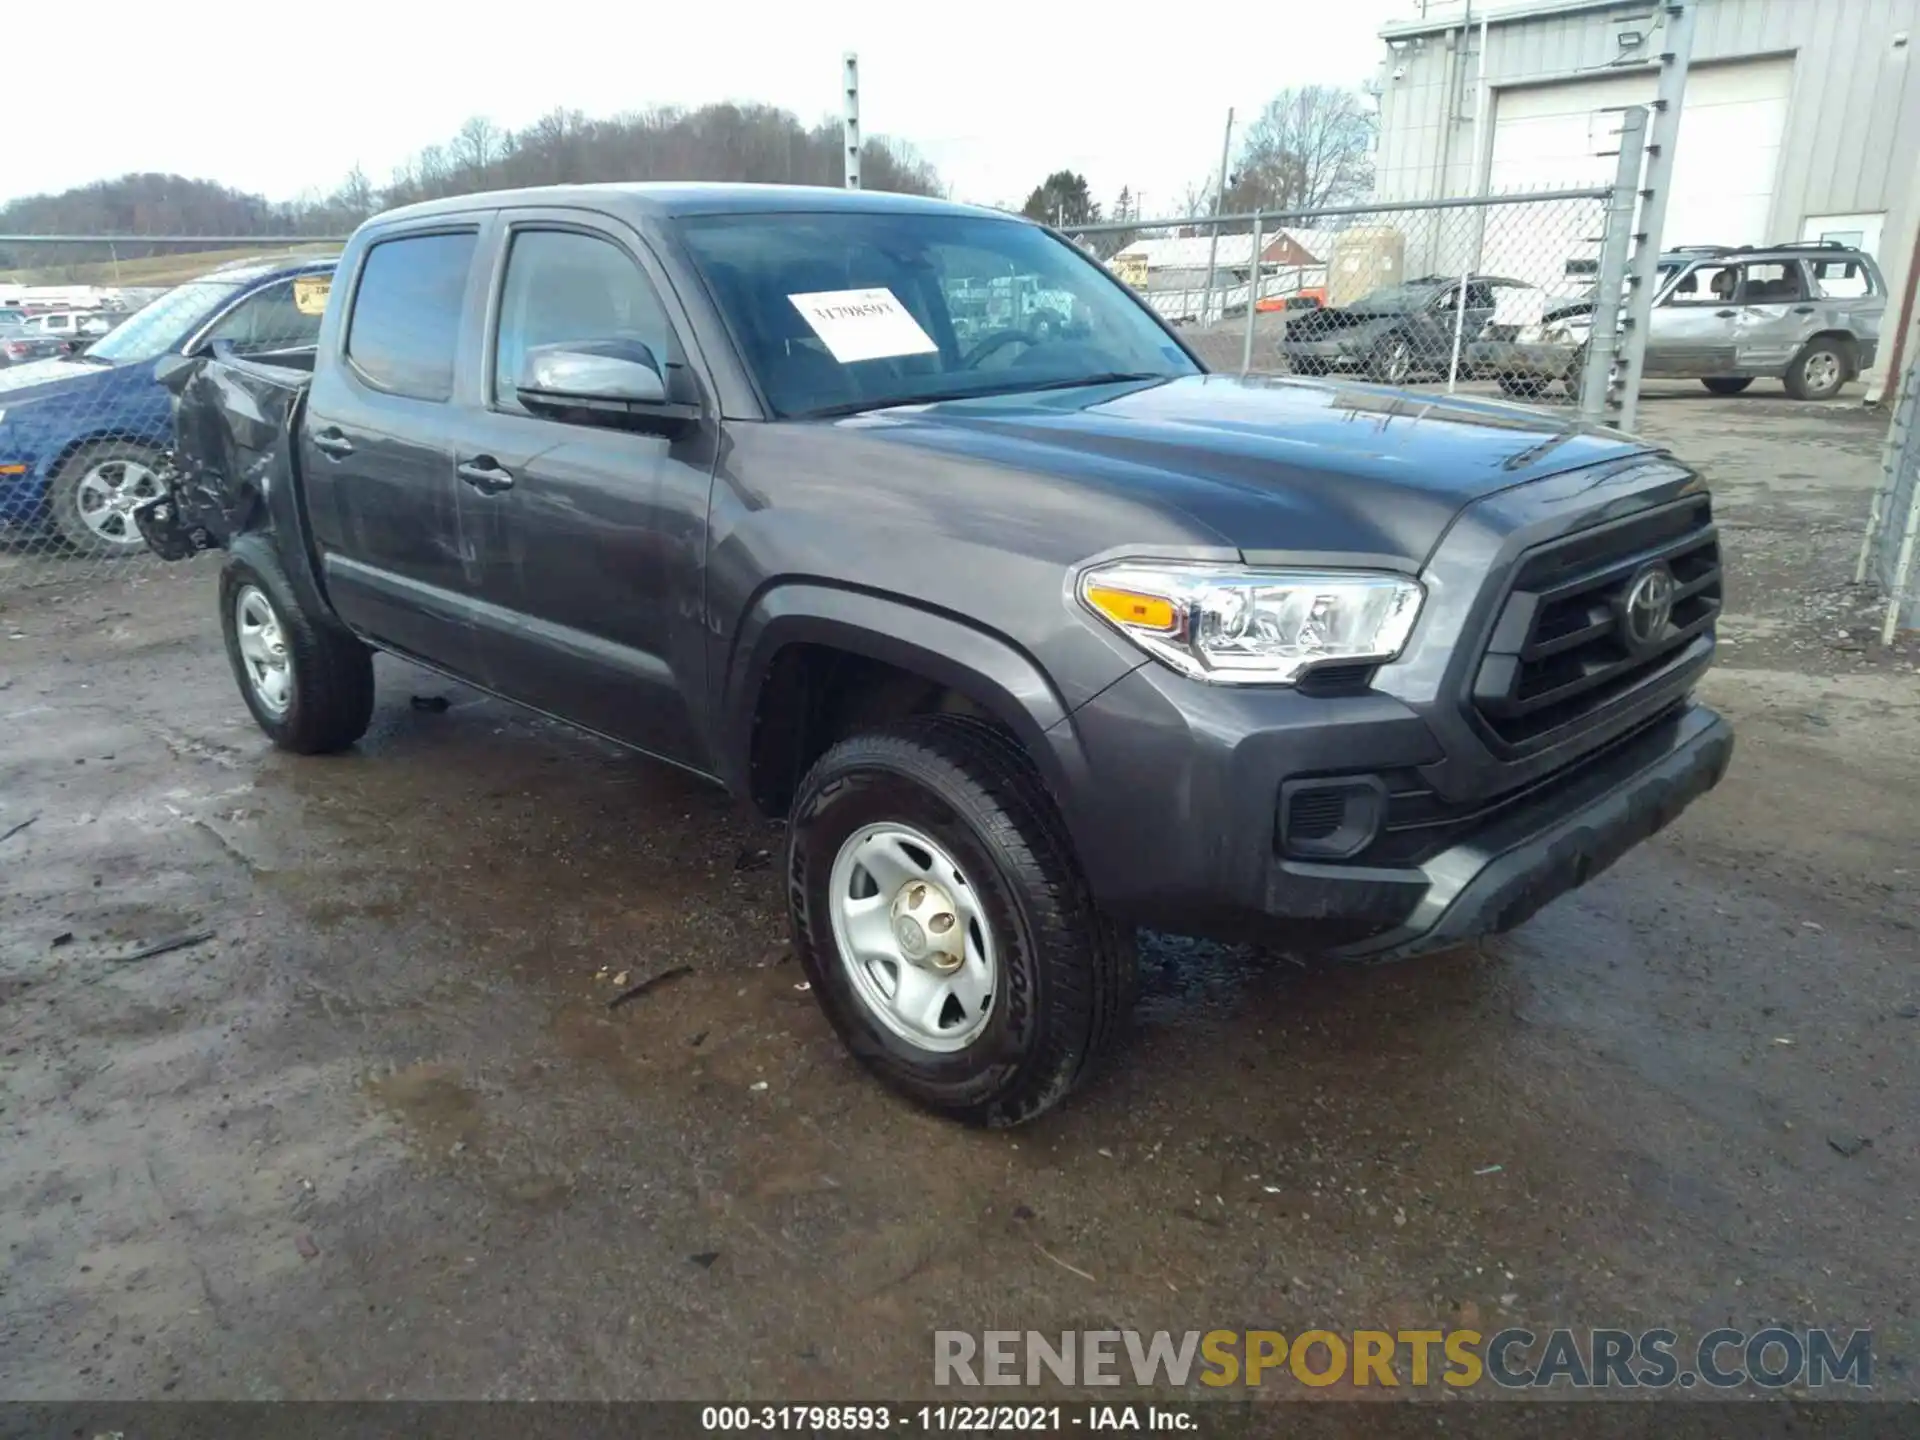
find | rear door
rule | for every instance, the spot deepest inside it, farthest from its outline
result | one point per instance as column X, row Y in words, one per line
column 587, row 540
column 1776, row 314
column 376, row 449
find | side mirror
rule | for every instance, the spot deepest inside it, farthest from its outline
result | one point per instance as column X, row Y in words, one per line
column 171, row 372
column 604, row 382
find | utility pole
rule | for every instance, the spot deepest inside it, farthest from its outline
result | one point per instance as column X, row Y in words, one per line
column 850, row 121
column 1676, row 53
column 1603, row 337
column 1219, row 209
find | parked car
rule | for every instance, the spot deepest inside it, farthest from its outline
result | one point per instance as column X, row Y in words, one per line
column 72, row 328
column 81, row 437
column 20, row 342
column 1395, row 334
column 1030, row 639
column 1806, row 313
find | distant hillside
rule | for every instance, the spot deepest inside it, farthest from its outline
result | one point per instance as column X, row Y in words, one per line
column 715, row 142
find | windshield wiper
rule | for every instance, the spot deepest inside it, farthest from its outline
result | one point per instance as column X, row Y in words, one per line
column 981, row 392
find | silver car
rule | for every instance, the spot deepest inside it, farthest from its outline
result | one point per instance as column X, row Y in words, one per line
column 1807, row 314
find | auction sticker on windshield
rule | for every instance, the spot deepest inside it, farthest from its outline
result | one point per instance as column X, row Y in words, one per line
column 862, row 324
column 310, row 293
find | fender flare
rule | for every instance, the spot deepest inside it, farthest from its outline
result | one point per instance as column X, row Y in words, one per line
column 1003, row 680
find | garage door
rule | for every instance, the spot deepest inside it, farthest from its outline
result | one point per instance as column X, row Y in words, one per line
column 1731, row 129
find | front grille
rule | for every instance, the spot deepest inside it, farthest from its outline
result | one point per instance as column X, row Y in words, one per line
column 1568, row 644
column 1316, row 814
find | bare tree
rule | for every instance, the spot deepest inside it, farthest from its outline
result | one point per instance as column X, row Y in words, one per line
column 476, row 145
column 1311, row 146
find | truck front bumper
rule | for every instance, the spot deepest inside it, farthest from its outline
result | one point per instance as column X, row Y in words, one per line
column 1189, row 837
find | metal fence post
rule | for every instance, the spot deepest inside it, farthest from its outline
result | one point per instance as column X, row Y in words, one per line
column 850, row 121
column 1669, row 95
column 1253, row 294
column 1219, row 209
column 1603, row 338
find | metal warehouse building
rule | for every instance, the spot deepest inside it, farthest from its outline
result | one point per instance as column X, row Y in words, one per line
column 1801, row 121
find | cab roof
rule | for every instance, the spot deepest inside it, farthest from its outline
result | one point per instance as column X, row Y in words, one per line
column 673, row 199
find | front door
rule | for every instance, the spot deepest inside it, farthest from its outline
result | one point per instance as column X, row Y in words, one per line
column 1693, row 329
column 376, row 452
column 587, row 540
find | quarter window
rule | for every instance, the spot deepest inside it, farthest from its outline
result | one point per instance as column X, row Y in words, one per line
column 406, row 314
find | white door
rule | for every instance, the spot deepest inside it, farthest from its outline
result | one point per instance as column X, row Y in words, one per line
column 1554, row 136
column 1860, row 231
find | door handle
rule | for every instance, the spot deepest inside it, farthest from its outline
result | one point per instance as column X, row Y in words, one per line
column 332, row 442
column 1803, row 309
column 1726, row 314
column 485, row 474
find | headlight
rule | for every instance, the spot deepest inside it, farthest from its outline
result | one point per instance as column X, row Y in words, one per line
column 1237, row 626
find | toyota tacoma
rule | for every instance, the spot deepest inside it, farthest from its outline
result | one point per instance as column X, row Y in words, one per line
column 1032, row 639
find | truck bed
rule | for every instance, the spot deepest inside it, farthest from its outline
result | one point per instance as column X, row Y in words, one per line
column 233, row 463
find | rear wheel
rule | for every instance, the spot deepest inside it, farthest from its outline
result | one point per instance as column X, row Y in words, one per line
column 308, row 683
column 944, row 925
column 1727, row 384
column 94, row 494
column 1820, row 370
column 1309, row 366
column 1523, row 387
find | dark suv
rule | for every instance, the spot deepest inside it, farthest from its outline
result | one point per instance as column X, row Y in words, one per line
column 1031, row 636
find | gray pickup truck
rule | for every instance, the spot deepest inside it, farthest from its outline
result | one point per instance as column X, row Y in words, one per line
column 1032, row 638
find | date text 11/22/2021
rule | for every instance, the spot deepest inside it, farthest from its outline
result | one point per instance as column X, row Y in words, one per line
column 1027, row 1419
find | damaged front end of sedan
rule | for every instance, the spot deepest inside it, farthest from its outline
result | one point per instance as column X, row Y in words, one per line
column 228, row 470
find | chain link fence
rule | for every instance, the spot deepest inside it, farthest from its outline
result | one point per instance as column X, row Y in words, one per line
column 85, row 425
column 1887, row 554
column 1490, row 295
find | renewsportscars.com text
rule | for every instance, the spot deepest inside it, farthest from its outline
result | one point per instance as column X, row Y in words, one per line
column 1513, row 1359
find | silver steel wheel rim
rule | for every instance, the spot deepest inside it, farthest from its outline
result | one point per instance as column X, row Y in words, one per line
column 1399, row 362
column 912, row 937
column 106, row 497
column 263, row 649
column 1823, row 370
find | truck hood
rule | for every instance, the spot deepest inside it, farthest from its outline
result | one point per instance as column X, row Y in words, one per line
column 1274, row 467
column 40, row 378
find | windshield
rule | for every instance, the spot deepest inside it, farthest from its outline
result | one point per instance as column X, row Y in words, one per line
column 163, row 324
column 858, row 310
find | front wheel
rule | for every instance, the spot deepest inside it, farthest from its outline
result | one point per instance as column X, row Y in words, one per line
column 95, row 492
column 944, row 925
column 1523, row 387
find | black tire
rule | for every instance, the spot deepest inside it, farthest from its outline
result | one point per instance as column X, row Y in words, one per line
column 1727, row 384
column 1392, row 361
column 1068, row 975
column 1308, row 366
column 65, row 501
column 331, row 699
column 1523, row 387
column 1821, row 369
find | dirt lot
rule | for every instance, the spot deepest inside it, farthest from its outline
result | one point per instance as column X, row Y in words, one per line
column 381, row 1135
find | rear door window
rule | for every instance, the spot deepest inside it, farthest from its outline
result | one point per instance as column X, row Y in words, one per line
column 1773, row 282
column 405, row 324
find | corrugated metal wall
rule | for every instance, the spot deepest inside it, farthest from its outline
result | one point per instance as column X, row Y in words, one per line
column 1853, row 123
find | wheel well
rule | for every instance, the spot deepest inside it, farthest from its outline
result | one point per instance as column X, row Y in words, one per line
column 815, row 695
column 74, row 446
column 1847, row 345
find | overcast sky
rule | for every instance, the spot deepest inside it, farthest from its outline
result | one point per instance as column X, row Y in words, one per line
column 994, row 92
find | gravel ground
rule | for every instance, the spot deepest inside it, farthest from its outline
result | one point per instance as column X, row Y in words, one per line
column 380, row 1134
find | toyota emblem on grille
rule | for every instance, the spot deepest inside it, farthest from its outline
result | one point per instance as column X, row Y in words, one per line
column 1648, row 606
